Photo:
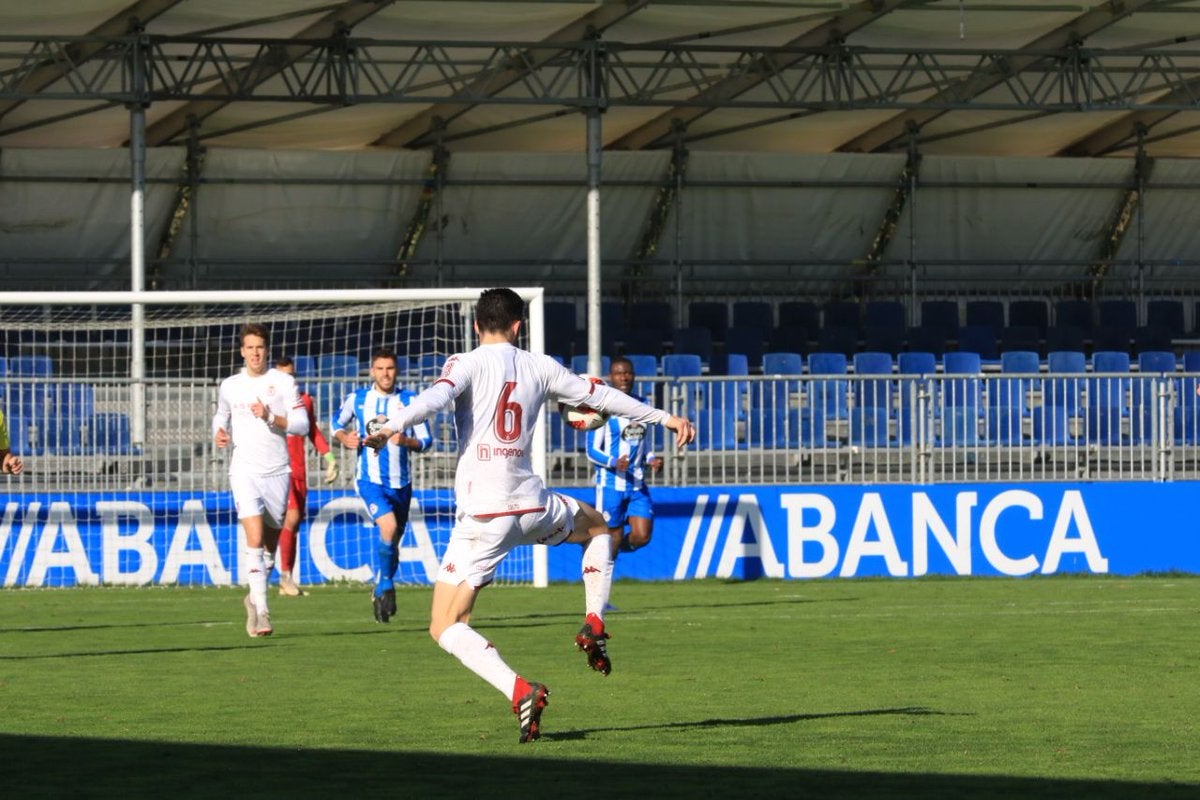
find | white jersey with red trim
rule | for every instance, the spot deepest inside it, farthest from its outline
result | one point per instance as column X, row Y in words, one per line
column 259, row 448
column 498, row 391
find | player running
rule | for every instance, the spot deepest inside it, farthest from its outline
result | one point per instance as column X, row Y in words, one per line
column 383, row 482
column 497, row 391
column 256, row 410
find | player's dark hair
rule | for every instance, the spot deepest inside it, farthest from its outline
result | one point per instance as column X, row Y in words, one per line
column 621, row 360
column 498, row 309
column 285, row 361
column 255, row 329
column 385, row 352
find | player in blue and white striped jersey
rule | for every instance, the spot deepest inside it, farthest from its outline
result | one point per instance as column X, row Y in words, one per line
column 620, row 449
column 382, row 478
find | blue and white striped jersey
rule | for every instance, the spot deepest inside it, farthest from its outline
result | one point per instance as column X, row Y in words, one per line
column 390, row 467
column 615, row 438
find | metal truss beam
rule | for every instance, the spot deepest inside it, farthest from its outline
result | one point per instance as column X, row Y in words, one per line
column 127, row 20
column 418, row 131
column 1033, row 59
column 656, row 131
column 207, row 73
column 271, row 60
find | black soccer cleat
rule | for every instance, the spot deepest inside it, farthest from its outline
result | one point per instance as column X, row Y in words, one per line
column 591, row 640
column 389, row 602
column 379, row 606
column 528, row 709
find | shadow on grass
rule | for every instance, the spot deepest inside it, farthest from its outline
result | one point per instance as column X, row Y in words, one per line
column 783, row 719
column 41, row 766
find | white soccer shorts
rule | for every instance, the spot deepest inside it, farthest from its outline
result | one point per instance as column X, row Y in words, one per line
column 261, row 494
column 478, row 544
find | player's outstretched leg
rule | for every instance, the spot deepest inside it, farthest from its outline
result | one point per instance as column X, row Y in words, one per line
column 529, row 699
column 591, row 640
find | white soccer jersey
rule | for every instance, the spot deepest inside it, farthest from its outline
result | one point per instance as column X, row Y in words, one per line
column 498, row 391
column 259, row 448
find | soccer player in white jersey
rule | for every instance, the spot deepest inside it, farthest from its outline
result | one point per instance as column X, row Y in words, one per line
column 620, row 449
column 383, row 478
column 497, row 391
column 256, row 410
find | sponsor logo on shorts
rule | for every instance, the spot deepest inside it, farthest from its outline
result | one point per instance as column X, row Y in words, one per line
column 373, row 508
column 450, row 568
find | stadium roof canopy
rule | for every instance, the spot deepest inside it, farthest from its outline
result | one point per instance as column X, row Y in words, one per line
column 1015, row 78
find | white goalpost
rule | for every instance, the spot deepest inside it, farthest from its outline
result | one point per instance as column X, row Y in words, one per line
column 109, row 398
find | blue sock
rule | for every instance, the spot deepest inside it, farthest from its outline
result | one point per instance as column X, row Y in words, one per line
column 387, row 557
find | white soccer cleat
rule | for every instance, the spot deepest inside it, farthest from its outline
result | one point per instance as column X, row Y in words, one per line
column 288, row 585
column 251, row 617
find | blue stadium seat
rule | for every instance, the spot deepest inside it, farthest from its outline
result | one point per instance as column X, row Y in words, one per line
column 873, row 393
column 789, row 339
column 828, row 395
column 711, row 315
column 753, row 314
column 1064, row 392
column 1117, row 314
column 965, row 392
column 869, row 427
column 1187, row 410
column 110, row 434
column 841, row 339
column 800, row 314
column 30, row 366
column 1004, row 392
column 1166, row 315
column 339, row 365
column 687, row 365
column 612, row 325
column 1077, row 313
column 885, row 313
column 716, row 428
column 579, row 365
column 1064, row 338
column 1153, row 368
column 1106, row 401
column 940, row 315
column 1020, row 337
column 979, row 339
column 928, row 340
column 695, row 340
column 1029, row 313
column 1052, row 426
column 989, row 313
column 748, row 341
column 644, row 341
column 776, row 394
column 842, row 314
column 655, row 314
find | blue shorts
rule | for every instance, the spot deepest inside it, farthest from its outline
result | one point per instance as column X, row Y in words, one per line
column 382, row 500
column 618, row 506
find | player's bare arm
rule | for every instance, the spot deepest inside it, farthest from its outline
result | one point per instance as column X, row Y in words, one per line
column 348, row 439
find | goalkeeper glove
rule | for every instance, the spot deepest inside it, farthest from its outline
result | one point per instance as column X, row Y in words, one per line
column 332, row 470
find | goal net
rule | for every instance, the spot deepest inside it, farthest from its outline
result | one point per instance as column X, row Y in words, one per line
column 109, row 399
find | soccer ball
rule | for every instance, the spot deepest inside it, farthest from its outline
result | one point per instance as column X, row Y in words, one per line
column 583, row 418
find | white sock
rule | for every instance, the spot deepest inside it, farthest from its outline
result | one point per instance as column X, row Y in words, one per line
column 478, row 655
column 597, row 574
column 256, row 577
column 268, row 561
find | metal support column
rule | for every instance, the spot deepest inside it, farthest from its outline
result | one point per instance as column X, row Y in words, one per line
column 594, row 144
column 137, row 249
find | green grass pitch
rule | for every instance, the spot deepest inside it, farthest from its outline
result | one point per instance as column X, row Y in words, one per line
column 1035, row 688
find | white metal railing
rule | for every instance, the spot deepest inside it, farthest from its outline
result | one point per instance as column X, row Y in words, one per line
column 752, row 429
